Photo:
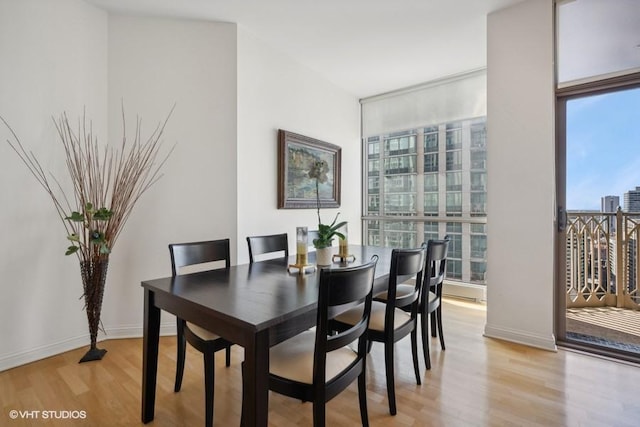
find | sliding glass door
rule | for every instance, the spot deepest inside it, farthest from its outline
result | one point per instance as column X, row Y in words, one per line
column 598, row 176
column 599, row 217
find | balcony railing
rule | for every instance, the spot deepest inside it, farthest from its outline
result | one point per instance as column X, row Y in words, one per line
column 602, row 259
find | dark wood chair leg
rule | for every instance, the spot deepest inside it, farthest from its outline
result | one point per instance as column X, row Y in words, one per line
column 209, row 379
column 433, row 324
column 391, row 386
column 425, row 339
column 362, row 397
column 414, row 353
column 319, row 413
column 439, row 317
column 243, row 388
column 181, row 349
column 228, row 356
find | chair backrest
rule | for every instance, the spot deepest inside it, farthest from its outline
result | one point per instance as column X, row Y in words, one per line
column 186, row 254
column 259, row 245
column 405, row 264
column 436, row 265
column 341, row 289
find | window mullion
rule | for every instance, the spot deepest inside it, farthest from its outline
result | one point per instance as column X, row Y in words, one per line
column 420, row 184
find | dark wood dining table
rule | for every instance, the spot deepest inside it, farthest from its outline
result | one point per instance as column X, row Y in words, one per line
column 253, row 305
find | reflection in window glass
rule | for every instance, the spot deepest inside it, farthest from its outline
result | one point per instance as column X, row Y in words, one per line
column 431, row 203
column 478, row 181
column 454, row 269
column 478, row 135
column 414, row 196
column 374, row 167
column 478, row 228
column 454, row 181
column 374, row 185
column 455, row 244
column 400, row 145
column 373, row 233
column 454, row 137
column 400, row 234
column 478, row 159
column 431, row 141
column 400, row 203
column 478, row 246
column 478, row 271
column 400, row 164
column 478, row 203
column 454, row 202
column 430, row 182
column 454, row 227
column 399, row 183
column 373, row 204
column 373, row 149
column 454, row 160
column 431, row 231
column 431, row 162
column 400, row 226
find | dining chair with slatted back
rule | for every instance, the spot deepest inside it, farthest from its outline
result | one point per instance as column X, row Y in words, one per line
column 389, row 321
column 431, row 293
column 192, row 254
column 261, row 245
column 315, row 366
column 431, row 298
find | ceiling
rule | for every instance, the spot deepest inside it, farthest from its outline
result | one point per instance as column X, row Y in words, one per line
column 367, row 47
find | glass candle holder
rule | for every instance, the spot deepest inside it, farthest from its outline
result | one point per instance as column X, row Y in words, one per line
column 302, row 246
column 343, row 244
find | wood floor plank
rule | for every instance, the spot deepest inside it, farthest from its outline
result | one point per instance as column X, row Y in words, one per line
column 477, row 381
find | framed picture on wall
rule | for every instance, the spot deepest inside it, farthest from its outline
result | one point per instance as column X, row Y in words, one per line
column 296, row 156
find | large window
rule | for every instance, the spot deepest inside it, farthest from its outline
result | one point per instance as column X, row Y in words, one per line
column 424, row 170
column 449, row 185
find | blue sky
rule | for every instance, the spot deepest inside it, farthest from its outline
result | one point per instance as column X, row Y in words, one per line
column 603, row 148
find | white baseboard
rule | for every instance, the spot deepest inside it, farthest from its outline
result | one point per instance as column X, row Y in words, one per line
column 465, row 290
column 11, row 360
column 134, row 331
column 543, row 342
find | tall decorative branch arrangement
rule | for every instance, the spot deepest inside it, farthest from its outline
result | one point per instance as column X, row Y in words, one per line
column 107, row 182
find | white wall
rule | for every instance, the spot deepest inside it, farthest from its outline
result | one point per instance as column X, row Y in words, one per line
column 153, row 64
column 72, row 55
column 521, row 175
column 232, row 93
column 54, row 59
column 274, row 92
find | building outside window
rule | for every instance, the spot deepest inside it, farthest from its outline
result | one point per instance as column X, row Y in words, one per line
column 425, row 172
column 443, row 178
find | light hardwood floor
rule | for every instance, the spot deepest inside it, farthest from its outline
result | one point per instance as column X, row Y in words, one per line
column 476, row 382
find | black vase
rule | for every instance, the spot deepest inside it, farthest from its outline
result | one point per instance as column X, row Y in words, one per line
column 94, row 276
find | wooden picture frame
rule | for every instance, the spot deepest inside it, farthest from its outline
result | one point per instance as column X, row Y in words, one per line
column 296, row 190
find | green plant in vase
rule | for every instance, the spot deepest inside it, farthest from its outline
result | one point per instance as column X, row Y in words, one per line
column 326, row 232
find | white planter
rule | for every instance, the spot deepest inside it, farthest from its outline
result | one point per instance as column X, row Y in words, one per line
column 323, row 256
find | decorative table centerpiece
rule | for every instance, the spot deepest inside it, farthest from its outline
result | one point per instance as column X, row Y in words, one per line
column 107, row 182
column 343, row 256
column 326, row 233
column 302, row 265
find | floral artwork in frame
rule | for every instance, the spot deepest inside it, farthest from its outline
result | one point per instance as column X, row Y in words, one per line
column 296, row 156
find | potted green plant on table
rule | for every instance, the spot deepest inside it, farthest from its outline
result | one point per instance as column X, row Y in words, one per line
column 107, row 182
column 326, row 232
